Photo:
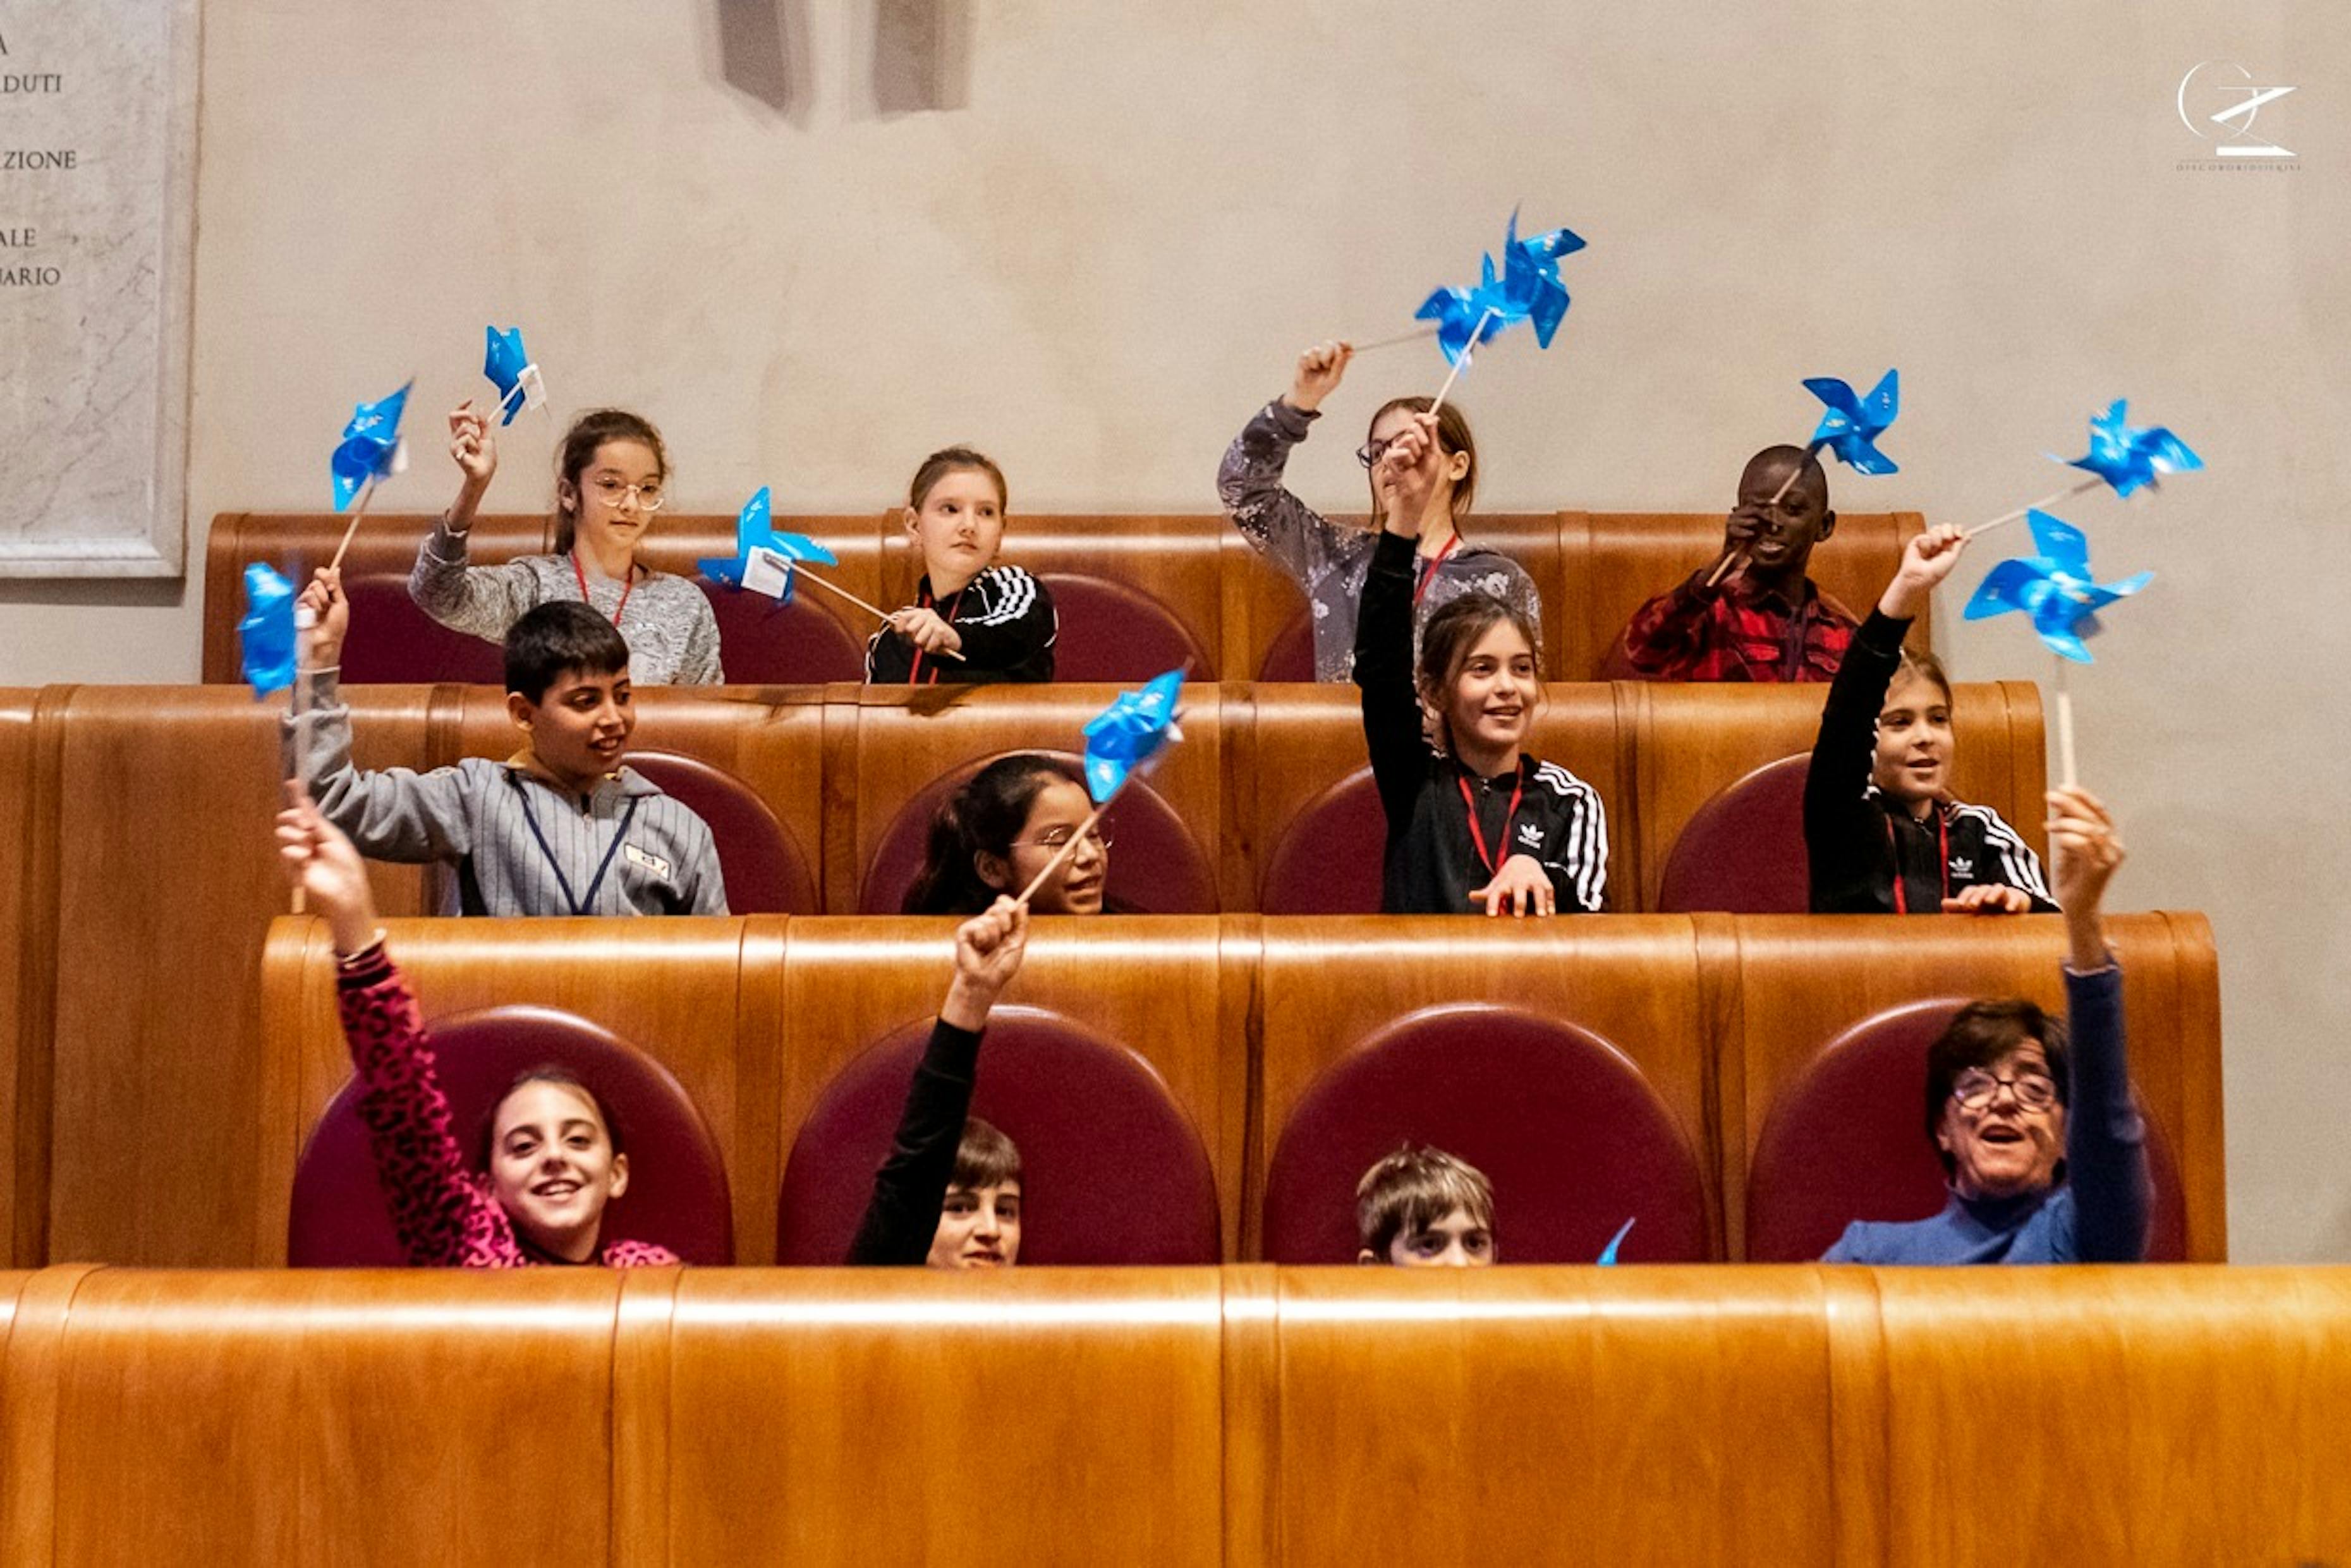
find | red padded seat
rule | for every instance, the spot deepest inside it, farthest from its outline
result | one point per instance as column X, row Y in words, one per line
column 1111, row 631
column 677, row 1193
column 1156, row 867
column 1329, row 859
column 1113, row 1169
column 1291, row 656
column 1574, row 1138
column 1742, row 852
column 1847, row 1140
column 766, row 873
column 393, row 643
column 762, row 642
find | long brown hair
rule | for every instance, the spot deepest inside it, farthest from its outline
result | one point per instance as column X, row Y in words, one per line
column 588, row 433
column 1452, row 436
column 1446, row 640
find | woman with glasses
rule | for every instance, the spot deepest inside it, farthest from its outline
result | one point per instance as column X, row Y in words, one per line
column 2032, row 1116
column 609, row 476
column 1328, row 561
column 994, row 835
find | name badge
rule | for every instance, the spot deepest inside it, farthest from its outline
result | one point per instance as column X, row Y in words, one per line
column 646, row 859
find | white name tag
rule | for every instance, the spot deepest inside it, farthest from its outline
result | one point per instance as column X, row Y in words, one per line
column 646, row 861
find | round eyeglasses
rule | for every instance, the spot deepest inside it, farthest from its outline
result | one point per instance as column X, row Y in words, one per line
column 1059, row 839
column 615, row 494
column 1975, row 1089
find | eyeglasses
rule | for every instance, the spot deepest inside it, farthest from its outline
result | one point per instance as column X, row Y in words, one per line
column 1059, row 839
column 1976, row 1088
column 1368, row 454
column 615, row 494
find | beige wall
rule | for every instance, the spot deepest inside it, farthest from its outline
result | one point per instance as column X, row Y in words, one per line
column 1102, row 263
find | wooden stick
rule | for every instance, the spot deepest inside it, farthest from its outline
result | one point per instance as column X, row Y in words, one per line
column 2065, row 771
column 1061, row 856
column 367, row 494
column 875, row 611
column 1738, row 558
column 1430, row 331
column 2084, row 487
column 1462, row 363
column 305, row 622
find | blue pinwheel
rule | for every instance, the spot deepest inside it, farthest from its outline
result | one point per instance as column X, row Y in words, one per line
column 1130, row 733
column 2129, row 457
column 2055, row 588
column 763, row 559
column 370, row 447
column 266, row 633
column 1851, row 425
column 510, row 369
column 1527, row 289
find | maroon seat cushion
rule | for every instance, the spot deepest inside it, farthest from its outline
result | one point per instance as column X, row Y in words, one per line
column 1291, row 656
column 1111, row 631
column 766, row 873
column 1847, row 1140
column 1113, row 1169
column 1742, row 852
column 1574, row 1138
column 677, row 1193
column 1156, row 867
column 762, row 642
column 1328, row 862
column 394, row 642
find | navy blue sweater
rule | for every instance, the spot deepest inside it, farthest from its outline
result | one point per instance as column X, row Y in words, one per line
column 2097, row 1215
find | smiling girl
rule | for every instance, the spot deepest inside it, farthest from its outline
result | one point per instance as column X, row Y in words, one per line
column 1003, row 827
column 610, row 476
column 996, row 621
column 551, row 1156
column 1474, row 821
column 1882, row 834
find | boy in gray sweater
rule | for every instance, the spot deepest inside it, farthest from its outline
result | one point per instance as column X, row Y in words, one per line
column 562, row 827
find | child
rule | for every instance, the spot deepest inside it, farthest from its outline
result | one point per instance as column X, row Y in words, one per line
column 1328, row 561
column 2042, row 1147
column 1881, row 833
column 609, row 477
column 949, row 1195
column 551, row 1156
column 1763, row 619
column 998, row 618
column 996, row 833
column 560, row 828
column 1474, row 821
column 1422, row 1209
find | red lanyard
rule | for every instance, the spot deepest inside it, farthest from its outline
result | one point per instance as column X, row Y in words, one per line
column 1477, row 834
column 914, row 670
column 628, row 586
column 1943, row 841
column 1428, row 574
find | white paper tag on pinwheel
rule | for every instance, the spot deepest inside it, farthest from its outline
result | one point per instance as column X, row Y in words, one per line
column 767, row 571
column 534, row 387
column 399, row 464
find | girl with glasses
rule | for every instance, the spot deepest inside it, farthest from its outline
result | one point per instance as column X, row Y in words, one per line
column 611, row 474
column 996, row 833
column 1327, row 560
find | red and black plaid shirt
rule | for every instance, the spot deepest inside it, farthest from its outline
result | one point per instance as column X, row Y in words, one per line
column 1740, row 632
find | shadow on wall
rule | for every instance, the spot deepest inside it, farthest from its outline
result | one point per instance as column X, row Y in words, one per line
column 919, row 51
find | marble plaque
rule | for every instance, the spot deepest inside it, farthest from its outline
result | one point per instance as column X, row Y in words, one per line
column 98, row 128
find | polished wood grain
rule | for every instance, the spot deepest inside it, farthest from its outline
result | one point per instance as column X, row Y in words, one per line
column 1539, row 1416
column 1689, row 741
column 1804, row 980
column 1329, row 983
column 894, row 742
column 1616, row 561
column 165, row 883
column 1159, row 985
column 700, row 996
column 26, row 953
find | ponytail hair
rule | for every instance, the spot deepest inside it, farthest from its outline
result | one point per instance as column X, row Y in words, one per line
column 954, row 460
column 982, row 818
column 588, row 433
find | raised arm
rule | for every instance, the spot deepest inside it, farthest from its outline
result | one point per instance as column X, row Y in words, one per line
column 481, row 601
column 903, row 1213
column 1248, row 481
column 1384, row 641
column 2105, row 1141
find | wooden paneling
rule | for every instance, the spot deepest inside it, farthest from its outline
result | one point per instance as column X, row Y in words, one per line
column 1157, row 985
column 165, row 883
column 1690, row 741
column 1329, row 983
column 1803, row 981
column 26, row 953
column 888, row 1416
column 1616, row 561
